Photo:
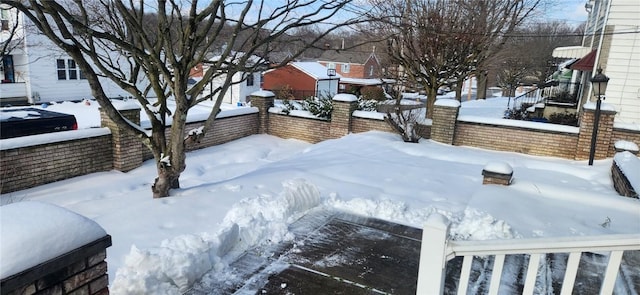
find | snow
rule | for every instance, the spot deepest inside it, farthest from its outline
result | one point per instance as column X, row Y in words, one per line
column 629, row 164
column 35, row 232
column 626, row 145
column 39, row 139
column 246, row 192
column 603, row 106
column 263, row 93
column 315, row 70
column 498, row 167
column 519, row 123
column 345, row 97
column 446, row 102
column 369, row 115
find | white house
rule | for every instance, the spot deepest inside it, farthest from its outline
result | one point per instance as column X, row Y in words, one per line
column 611, row 42
column 34, row 70
column 243, row 83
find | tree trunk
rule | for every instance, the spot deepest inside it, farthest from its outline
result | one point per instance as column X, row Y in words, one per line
column 482, row 85
column 167, row 179
column 431, row 101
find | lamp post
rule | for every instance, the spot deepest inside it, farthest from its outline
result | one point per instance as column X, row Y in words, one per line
column 599, row 85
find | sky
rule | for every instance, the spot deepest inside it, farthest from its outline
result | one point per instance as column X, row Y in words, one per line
column 571, row 11
column 245, row 193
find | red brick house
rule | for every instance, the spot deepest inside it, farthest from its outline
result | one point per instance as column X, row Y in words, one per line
column 301, row 79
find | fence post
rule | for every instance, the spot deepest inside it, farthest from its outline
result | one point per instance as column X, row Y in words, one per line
column 343, row 107
column 263, row 100
column 445, row 116
column 127, row 148
column 605, row 131
column 433, row 256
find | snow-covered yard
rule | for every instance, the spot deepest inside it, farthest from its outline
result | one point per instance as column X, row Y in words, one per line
column 246, row 192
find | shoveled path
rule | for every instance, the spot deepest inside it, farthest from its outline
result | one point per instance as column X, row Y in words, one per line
column 332, row 253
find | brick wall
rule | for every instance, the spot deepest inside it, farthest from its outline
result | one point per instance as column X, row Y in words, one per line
column 366, row 124
column 31, row 166
column 307, row 129
column 516, row 139
column 623, row 134
column 444, row 122
column 621, row 183
column 81, row 271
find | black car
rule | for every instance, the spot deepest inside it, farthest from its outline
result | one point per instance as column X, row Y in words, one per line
column 31, row 121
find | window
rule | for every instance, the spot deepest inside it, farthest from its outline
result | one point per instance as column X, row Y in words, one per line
column 370, row 70
column 250, row 80
column 62, row 71
column 7, row 68
column 68, row 70
column 345, row 68
column 73, row 72
column 4, row 19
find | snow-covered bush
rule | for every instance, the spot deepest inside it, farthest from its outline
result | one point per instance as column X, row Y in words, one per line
column 368, row 105
column 319, row 106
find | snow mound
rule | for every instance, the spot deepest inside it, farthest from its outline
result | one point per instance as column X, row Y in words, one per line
column 178, row 263
column 472, row 224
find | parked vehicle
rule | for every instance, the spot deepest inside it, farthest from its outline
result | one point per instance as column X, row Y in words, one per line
column 30, row 121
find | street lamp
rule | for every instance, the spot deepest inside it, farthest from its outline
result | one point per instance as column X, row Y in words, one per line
column 599, row 85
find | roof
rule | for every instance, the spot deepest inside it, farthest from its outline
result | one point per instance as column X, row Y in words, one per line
column 571, row 52
column 343, row 56
column 364, row 82
column 314, row 69
column 586, row 62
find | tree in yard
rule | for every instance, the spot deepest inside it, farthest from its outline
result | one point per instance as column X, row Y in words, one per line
column 438, row 41
column 148, row 49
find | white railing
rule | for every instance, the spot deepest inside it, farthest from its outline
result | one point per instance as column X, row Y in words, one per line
column 436, row 250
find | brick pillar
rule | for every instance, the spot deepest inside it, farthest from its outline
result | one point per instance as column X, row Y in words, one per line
column 343, row 107
column 263, row 100
column 605, row 131
column 127, row 150
column 445, row 115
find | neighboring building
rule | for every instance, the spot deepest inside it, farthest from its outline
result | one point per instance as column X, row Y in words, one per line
column 611, row 42
column 357, row 68
column 243, row 83
column 302, row 79
column 34, row 70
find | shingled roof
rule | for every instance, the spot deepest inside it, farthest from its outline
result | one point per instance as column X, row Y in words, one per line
column 343, row 56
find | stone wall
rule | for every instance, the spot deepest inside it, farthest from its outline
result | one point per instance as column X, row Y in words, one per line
column 367, row 124
column 29, row 166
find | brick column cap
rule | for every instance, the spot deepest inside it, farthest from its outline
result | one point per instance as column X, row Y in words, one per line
column 501, row 168
column 263, row 93
column 604, row 107
column 345, row 97
column 127, row 105
column 447, row 102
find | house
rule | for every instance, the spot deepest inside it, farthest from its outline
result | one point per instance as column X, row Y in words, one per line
column 242, row 83
column 611, row 42
column 357, row 68
column 34, row 70
column 301, row 80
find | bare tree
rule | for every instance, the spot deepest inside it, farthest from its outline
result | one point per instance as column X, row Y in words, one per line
column 10, row 39
column 149, row 47
column 435, row 41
